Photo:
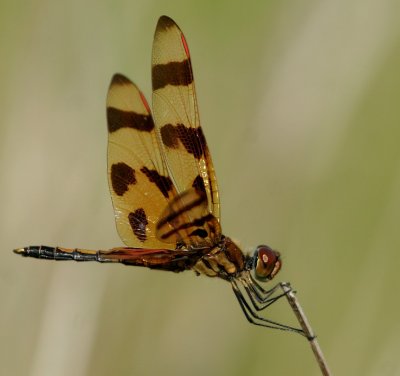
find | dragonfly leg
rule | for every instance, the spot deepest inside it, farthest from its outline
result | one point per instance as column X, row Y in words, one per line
column 259, row 300
column 254, row 318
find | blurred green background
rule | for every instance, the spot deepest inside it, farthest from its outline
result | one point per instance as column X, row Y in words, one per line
column 299, row 101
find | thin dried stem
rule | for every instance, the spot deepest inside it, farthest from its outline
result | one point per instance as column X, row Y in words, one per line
column 305, row 325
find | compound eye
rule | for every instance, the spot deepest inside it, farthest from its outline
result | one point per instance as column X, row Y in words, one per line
column 267, row 263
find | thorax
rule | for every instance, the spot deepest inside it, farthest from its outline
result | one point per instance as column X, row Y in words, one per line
column 224, row 261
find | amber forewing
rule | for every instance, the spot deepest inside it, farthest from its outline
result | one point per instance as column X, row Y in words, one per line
column 177, row 118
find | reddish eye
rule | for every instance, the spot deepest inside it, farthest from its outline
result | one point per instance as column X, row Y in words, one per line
column 267, row 263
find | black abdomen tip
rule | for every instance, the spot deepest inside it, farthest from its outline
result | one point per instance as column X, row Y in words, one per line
column 38, row 251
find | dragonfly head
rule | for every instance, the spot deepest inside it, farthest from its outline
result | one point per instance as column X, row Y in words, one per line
column 267, row 263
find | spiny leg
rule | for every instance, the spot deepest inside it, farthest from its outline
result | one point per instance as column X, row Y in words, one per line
column 254, row 318
column 260, row 301
column 261, row 291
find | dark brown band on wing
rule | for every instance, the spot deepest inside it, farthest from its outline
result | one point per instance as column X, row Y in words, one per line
column 198, row 222
column 117, row 119
column 198, row 185
column 182, row 210
column 163, row 183
column 191, row 138
column 200, row 232
column 138, row 221
column 176, row 73
column 121, row 176
column 169, row 136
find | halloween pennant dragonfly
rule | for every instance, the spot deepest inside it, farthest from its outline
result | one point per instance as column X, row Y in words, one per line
column 164, row 189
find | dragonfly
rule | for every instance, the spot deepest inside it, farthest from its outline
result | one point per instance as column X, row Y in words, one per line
column 164, row 188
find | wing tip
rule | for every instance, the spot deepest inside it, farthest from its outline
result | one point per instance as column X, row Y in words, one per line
column 120, row 79
column 165, row 22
